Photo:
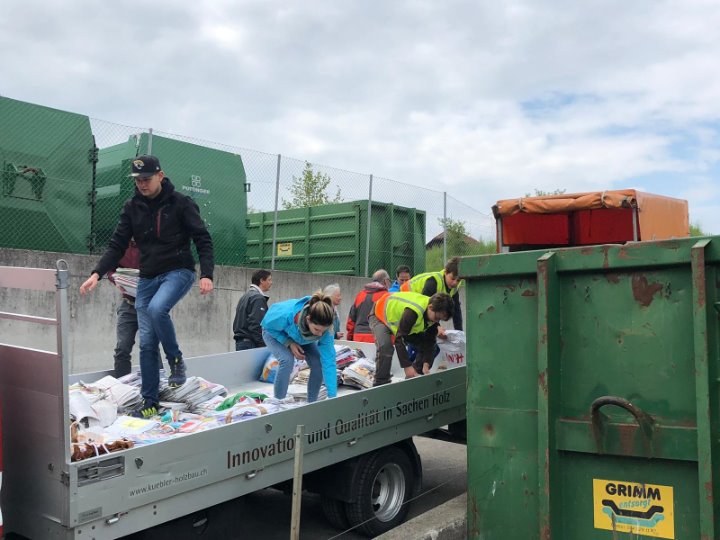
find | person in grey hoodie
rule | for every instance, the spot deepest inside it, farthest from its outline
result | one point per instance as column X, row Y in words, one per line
column 250, row 312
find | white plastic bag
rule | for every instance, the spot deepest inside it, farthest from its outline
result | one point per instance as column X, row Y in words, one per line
column 452, row 351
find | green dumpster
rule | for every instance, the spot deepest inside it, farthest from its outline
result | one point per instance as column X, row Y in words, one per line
column 47, row 167
column 214, row 178
column 593, row 405
column 332, row 238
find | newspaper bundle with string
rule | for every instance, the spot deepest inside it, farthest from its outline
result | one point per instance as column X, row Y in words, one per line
column 127, row 280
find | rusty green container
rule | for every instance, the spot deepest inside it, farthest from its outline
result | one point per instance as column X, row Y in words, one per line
column 593, row 408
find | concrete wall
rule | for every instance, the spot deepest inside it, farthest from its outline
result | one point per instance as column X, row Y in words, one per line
column 203, row 323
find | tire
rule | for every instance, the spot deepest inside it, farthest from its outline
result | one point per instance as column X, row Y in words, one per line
column 334, row 511
column 385, row 484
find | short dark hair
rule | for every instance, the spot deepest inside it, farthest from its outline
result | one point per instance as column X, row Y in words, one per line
column 402, row 268
column 259, row 275
column 453, row 266
column 442, row 303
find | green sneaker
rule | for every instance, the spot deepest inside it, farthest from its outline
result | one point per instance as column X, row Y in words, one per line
column 177, row 373
column 145, row 410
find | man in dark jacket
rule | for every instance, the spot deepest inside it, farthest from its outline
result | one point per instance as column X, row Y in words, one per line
column 126, row 326
column 163, row 222
column 358, row 328
column 250, row 312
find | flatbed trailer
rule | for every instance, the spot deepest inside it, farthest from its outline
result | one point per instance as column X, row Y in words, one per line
column 353, row 445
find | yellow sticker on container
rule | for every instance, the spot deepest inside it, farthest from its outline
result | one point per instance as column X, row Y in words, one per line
column 284, row 249
column 644, row 509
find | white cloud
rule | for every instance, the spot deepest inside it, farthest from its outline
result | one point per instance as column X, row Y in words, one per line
column 482, row 100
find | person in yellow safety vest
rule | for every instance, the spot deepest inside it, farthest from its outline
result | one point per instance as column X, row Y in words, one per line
column 446, row 280
column 410, row 318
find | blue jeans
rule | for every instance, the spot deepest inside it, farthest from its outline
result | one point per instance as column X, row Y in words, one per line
column 155, row 298
column 125, row 329
column 287, row 362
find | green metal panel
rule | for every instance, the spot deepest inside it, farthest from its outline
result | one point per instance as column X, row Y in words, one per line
column 214, row 178
column 47, row 169
column 332, row 239
column 589, row 369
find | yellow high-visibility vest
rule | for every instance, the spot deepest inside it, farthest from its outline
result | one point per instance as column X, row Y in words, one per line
column 389, row 310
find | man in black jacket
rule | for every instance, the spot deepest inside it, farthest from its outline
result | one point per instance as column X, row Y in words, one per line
column 250, row 312
column 163, row 222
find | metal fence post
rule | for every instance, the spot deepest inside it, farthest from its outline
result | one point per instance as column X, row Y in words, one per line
column 149, row 148
column 444, row 227
column 367, row 240
column 297, row 483
column 275, row 220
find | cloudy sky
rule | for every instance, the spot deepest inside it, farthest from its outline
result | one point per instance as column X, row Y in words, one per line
column 483, row 100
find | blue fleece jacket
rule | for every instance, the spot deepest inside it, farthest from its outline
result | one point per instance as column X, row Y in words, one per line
column 279, row 321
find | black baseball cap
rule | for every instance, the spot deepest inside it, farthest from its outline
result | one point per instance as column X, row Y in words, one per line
column 144, row 166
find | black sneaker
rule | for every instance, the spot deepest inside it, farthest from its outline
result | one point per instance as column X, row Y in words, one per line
column 145, row 410
column 177, row 373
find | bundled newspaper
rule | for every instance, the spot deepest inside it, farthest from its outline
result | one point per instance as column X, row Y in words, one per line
column 195, row 391
column 359, row 374
column 127, row 280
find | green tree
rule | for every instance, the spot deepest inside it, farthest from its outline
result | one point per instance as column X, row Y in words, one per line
column 695, row 230
column 310, row 189
column 458, row 243
column 456, row 236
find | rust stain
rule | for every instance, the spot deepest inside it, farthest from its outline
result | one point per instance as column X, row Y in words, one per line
column 545, row 532
column 606, row 250
column 612, row 278
column 490, row 429
column 708, row 491
column 542, row 383
column 643, row 291
column 528, row 292
column 627, row 438
column 543, row 334
column 547, row 473
column 490, row 309
column 586, row 251
column 474, row 523
column 700, row 286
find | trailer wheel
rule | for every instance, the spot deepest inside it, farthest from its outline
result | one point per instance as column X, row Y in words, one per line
column 334, row 511
column 385, row 483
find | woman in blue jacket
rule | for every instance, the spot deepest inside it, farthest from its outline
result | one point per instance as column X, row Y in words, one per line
column 303, row 328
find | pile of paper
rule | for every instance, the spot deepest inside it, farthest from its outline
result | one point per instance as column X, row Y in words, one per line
column 124, row 395
column 195, row 391
column 359, row 374
column 299, row 391
column 344, row 356
column 127, row 280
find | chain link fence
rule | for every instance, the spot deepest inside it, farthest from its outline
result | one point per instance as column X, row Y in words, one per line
column 65, row 179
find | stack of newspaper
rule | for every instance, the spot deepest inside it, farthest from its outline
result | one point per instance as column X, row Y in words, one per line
column 124, row 396
column 127, row 280
column 195, row 391
column 344, row 356
column 299, row 391
column 359, row 374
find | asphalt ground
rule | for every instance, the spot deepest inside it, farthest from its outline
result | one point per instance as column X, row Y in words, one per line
column 268, row 511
